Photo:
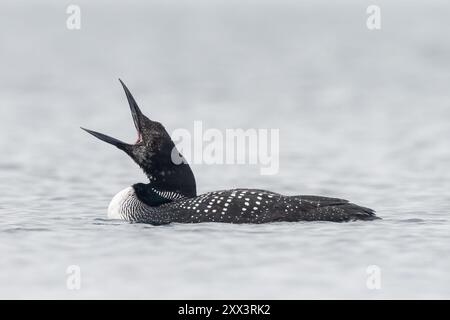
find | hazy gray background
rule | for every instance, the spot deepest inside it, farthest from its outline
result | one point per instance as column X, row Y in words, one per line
column 363, row 115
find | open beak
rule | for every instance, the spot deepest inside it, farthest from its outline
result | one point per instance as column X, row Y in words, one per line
column 135, row 111
column 137, row 119
column 115, row 142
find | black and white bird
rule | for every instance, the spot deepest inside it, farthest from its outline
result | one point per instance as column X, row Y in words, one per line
column 171, row 196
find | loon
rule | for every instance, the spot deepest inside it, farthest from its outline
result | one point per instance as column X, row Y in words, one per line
column 171, row 195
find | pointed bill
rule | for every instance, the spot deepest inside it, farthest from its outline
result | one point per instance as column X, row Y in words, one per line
column 115, row 142
column 135, row 111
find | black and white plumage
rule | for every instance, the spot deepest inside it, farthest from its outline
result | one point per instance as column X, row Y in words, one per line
column 170, row 196
column 236, row 206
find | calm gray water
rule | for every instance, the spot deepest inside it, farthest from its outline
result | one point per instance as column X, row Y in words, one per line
column 363, row 115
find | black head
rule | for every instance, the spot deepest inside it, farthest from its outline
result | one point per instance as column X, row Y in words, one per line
column 155, row 152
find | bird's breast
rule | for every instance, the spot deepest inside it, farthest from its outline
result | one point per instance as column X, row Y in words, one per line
column 118, row 203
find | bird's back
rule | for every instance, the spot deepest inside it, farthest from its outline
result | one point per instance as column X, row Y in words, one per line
column 253, row 206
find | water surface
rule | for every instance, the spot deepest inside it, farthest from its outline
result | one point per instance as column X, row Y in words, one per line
column 363, row 115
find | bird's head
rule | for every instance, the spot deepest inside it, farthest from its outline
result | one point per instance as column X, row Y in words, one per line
column 154, row 151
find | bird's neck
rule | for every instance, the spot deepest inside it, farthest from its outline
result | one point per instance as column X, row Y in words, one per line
column 171, row 177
